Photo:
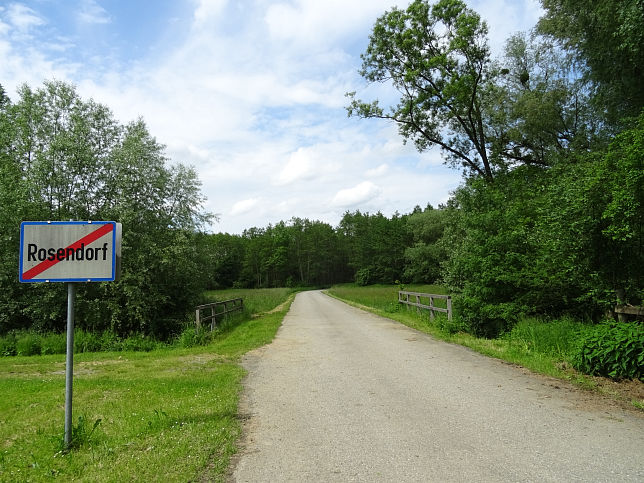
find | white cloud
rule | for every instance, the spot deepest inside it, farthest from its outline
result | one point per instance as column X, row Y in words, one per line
column 207, row 10
column 91, row 13
column 379, row 171
column 299, row 167
column 359, row 194
column 244, row 206
column 22, row 17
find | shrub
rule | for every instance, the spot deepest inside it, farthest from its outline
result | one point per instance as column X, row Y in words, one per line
column 483, row 319
column 612, row 349
column 138, row 342
column 363, row 277
column 191, row 338
column 453, row 326
column 8, row 344
column 53, row 344
column 28, row 344
column 86, row 341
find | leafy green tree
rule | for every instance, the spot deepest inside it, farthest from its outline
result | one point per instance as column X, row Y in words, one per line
column 222, row 256
column 437, row 57
column 374, row 246
column 66, row 158
column 492, row 250
column 592, row 229
column 424, row 257
column 607, row 37
column 542, row 108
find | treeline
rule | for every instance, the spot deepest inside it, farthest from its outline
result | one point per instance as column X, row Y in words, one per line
column 366, row 248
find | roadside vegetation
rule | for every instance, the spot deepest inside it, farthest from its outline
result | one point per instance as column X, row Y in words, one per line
column 564, row 348
column 169, row 414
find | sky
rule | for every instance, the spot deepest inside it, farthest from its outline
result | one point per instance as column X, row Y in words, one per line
column 251, row 93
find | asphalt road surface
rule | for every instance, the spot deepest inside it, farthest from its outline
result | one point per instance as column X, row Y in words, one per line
column 343, row 395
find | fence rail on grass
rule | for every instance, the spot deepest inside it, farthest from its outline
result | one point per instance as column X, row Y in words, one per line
column 218, row 310
column 403, row 298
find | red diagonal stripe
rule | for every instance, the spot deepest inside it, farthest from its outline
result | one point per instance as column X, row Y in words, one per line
column 87, row 239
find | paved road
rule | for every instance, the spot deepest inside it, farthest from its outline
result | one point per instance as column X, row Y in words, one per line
column 343, row 395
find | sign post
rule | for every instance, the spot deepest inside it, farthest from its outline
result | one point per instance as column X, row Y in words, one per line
column 69, row 251
column 69, row 363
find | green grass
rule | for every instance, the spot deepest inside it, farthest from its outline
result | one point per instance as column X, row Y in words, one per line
column 165, row 415
column 256, row 301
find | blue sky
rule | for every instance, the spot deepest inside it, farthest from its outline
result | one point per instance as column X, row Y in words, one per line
column 249, row 92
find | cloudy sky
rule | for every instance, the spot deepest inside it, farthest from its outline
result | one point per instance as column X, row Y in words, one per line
column 249, row 92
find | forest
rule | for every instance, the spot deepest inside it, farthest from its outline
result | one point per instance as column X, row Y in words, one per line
column 548, row 221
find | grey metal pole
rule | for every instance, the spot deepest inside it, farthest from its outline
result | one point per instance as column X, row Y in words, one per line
column 69, row 369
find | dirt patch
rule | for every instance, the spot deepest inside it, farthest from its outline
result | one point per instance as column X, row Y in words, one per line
column 624, row 391
column 279, row 308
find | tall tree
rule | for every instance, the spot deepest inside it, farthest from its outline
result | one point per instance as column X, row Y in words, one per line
column 438, row 58
column 542, row 107
column 607, row 37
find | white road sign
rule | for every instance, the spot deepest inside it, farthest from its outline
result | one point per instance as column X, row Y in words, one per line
column 69, row 251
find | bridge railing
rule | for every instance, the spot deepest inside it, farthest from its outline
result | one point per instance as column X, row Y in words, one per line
column 216, row 311
column 426, row 301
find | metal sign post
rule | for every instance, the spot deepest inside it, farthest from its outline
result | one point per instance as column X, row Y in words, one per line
column 69, row 251
column 69, row 363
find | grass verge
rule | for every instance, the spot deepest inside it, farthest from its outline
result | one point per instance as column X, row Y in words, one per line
column 164, row 415
column 543, row 347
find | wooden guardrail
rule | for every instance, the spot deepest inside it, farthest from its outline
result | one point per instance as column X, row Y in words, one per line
column 217, row 311
column 623, row 311
column 403, row 298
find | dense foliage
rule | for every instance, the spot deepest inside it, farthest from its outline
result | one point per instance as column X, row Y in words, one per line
column 549, row 219
column 63, row 158
column 613, row 350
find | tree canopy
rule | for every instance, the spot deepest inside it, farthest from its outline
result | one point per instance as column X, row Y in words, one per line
column 61, row 158
column 607, row 39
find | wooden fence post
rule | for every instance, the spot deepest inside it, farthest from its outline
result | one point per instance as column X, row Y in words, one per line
column 431, row 310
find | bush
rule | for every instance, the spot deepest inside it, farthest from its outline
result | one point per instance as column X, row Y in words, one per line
column 191, row 338
column 8, row 344
column 53, row 344
column 87, row 341
column 138, row 342
column 363, row 277
column 483, row 319
column 451, row 327
column 612, row 349
column 28, row 344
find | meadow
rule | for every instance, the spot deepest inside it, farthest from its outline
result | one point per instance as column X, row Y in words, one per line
column 169, row 414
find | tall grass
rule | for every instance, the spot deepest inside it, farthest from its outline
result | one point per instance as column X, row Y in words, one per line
column 557, row 338
column 383, row 297
column 256, row 301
